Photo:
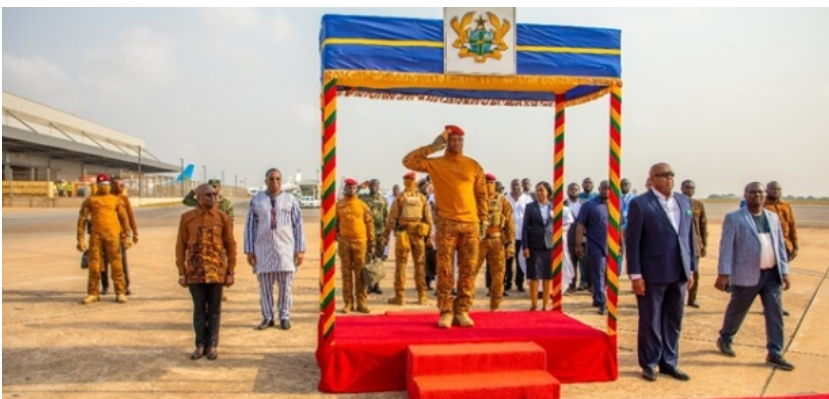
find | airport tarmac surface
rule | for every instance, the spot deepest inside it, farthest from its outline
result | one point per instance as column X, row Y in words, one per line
column 53, row 347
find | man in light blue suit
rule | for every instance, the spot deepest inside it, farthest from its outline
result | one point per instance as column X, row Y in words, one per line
column 659, row 244
column 753, row 261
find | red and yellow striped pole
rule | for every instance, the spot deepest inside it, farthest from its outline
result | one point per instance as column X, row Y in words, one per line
column 558, row 203
column 328, row 221
column 614, row 227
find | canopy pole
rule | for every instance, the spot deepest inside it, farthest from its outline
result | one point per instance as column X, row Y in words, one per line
column 558, row 203
column 614, row 227
column 328, row 222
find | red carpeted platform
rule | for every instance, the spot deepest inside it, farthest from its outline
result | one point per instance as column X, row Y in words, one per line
column 370, row 352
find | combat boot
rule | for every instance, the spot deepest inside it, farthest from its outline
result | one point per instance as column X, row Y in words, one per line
column 396, row 300
column 89, row 299
column 464, row 320
column 422, row 300
column 445, row 321
column 121, row 298
column 363, row 309
column 348, row 308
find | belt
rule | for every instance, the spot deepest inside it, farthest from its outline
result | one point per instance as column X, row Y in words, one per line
column 493, row 235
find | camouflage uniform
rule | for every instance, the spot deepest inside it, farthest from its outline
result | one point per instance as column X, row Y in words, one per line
column 461, row 202
column 355, row 232
column 379, row 212
column 108, row 226
column 499, row 234
column 411, row 219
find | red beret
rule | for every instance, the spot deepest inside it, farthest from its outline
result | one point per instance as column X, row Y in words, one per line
column 102, row 178
column 491, row 177
column 350, row 182
column 454, row 130
column 410, row 175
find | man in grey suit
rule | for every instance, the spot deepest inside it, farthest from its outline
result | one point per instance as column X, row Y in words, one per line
column 753, row 261
column 659, row 242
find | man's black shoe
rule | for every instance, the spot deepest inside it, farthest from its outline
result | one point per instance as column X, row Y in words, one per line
column 694, row 304
column 285, row 324
column 785, row 312
column 779, row 362
column 265, row 324
column 505, row 293
column 675, row 372
column 725, row 348
column 601, row 310
column 648, row 374
column 521, row 288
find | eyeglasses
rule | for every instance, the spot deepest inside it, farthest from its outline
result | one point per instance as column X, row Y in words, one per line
column 665, row 174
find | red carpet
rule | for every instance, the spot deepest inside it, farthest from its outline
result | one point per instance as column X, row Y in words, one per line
column 370, row 352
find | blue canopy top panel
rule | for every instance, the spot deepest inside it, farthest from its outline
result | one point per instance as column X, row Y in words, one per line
column 403, row 58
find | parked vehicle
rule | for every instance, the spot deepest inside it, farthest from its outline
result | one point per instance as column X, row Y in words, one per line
column 309, row 202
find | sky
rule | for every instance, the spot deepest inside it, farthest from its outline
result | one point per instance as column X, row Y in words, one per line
column 726, row 96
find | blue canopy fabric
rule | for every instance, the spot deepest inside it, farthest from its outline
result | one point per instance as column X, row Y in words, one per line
column 403, row 58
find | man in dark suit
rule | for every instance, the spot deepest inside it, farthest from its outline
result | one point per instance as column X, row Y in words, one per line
column 659, row 241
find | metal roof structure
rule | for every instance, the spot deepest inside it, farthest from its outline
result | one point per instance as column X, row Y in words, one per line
column 30, row 127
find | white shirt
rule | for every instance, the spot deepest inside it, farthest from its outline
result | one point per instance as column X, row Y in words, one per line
column 671, row 208
column 575, row 206
column 518, row 207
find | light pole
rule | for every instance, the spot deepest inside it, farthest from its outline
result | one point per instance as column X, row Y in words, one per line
column 204, row 173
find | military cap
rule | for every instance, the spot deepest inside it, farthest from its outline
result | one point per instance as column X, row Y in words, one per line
column 351, row 182
column 214, row 182
column 410, row 175
column 102, row 178
column 454, row 130
column 490, row 177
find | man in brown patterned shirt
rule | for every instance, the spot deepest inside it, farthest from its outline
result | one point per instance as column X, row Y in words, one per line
column 774, row 203
column 206, row 260
column 689, row 188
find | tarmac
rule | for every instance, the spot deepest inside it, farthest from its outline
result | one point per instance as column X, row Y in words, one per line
column 53, row 347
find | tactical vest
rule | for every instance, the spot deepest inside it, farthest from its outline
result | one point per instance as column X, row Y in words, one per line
column 412, row 208
column 496, row 217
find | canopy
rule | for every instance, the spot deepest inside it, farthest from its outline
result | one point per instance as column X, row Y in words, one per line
column 403, row 58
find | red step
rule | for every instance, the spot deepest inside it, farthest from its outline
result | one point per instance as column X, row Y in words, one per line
column 475, row 358
column 483, row 370
column 527, row 384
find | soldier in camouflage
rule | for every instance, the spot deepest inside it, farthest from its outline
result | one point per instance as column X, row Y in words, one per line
column 379, row 212
column 411, row 220
column 500, row 234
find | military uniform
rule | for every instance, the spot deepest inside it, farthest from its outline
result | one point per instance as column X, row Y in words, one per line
column 461, row 202
column 499, row 234
column 411, row 220
column 108, row 225
column 379, row 212
column 355, row 232
column 125, row 244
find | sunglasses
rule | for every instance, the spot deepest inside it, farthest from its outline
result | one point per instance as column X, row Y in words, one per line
column 665, row 174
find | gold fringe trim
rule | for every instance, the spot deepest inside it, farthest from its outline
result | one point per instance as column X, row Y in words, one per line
column 374, row 79
column 469, row 101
